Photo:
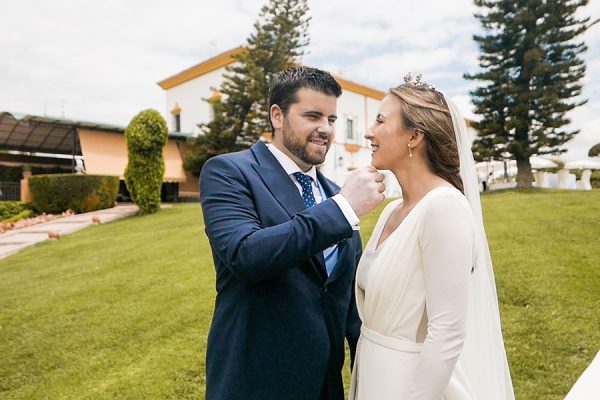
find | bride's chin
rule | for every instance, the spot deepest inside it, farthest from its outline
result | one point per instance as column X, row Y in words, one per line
column 376, row 164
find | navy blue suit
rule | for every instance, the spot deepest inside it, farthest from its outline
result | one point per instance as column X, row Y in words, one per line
column 279, row 322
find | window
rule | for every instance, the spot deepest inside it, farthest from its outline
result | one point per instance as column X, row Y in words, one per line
column 176, row 113
column 350, row 128
column 177, row 122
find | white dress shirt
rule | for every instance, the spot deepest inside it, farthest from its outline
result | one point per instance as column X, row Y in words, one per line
column 290, row 167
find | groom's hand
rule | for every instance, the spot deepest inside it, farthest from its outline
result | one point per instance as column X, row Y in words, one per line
column 363, row 190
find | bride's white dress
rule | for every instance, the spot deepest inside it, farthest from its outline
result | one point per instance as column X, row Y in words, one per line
column 412, row 296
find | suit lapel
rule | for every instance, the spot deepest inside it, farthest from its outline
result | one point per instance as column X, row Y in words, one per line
column 285, row 192
column 276, row 180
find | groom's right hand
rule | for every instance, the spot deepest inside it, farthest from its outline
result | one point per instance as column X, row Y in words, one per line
column 363, row 190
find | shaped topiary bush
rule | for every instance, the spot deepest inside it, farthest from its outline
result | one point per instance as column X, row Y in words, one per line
column 146, row 136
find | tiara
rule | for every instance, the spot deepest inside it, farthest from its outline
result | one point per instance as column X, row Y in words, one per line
column 418, row 82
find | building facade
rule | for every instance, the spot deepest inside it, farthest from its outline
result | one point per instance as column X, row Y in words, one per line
column 61, row 145
column 186, row 95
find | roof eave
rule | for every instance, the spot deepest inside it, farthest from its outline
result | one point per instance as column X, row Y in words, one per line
column 226, row 58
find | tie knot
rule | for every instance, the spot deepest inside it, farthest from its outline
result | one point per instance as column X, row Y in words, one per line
column 303, row 179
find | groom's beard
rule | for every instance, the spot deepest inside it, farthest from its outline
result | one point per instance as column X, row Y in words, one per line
column 300, row 147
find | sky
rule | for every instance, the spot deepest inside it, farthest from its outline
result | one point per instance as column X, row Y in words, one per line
column 101, row 60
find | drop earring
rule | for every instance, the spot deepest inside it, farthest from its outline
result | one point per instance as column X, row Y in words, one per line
column 409, row 151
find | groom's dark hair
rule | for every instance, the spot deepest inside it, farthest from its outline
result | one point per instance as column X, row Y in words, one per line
column 287, row 83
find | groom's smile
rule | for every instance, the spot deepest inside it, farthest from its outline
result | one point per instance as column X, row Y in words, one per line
column 318, row 141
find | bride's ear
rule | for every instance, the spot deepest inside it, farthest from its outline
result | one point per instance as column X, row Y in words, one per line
column 416, row 138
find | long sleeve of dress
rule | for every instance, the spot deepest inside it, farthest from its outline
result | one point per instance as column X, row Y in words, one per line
column 446, row 241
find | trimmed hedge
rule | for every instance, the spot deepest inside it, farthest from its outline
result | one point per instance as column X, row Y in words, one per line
column 80, row 193
column 9, row 209
column 146, row 136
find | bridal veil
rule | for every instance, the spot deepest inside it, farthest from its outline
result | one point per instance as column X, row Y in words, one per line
column 483, row 357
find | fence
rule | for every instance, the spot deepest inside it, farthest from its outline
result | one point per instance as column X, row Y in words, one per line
column 10, row 191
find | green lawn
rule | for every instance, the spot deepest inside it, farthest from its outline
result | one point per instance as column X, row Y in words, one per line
column 122, row 310
column 546, row 252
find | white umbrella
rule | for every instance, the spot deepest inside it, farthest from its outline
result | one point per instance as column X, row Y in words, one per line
column 541, row 163
column 585, row 163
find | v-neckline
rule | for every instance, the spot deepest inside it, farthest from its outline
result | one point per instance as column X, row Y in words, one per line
column 379, row 246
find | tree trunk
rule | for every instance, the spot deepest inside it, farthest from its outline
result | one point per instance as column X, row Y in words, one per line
column 524, row 175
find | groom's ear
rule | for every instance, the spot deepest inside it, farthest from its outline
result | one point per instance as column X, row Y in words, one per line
column 276, row 115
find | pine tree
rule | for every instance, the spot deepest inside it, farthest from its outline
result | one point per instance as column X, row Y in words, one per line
column 241, row 114
column 594, row 151
column 531, row 66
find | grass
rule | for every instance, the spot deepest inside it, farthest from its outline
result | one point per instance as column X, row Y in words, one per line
column 122, row 310
column 545, row 247
column 115, row 311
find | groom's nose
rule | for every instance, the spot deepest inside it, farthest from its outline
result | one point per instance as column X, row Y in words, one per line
column 325, row 127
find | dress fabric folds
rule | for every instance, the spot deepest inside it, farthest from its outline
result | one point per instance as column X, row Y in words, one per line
column 412, row 300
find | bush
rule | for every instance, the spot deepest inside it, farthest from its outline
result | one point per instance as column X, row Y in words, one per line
column 9, row 209
column 146, row 136
column 80, row 193
column 22, row 215
column 595, row 179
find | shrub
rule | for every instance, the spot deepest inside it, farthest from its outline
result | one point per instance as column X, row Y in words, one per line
column 9, row 209
column 595, row 179
column 81, row 193
column 146, row 136
column 22, row 215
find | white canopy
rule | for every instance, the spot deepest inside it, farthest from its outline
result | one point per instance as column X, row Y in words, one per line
column 495, row 169
column 541, row 163
column 585, row 163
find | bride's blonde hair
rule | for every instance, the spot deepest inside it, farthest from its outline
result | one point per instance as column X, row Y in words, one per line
column 424, row 108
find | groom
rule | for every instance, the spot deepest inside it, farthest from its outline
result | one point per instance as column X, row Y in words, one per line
column 285, row 246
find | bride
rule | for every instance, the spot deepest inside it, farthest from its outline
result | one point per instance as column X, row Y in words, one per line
column 425, row 286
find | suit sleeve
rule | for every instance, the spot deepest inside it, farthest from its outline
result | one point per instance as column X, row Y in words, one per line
column 252, row 252
column 353, row 321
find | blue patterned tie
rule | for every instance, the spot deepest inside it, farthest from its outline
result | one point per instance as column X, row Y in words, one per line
column 307, row 191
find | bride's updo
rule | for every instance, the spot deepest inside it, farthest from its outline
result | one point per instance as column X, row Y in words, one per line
column 424, row 108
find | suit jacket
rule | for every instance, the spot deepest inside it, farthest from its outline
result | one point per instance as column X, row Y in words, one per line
column 279, row 322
